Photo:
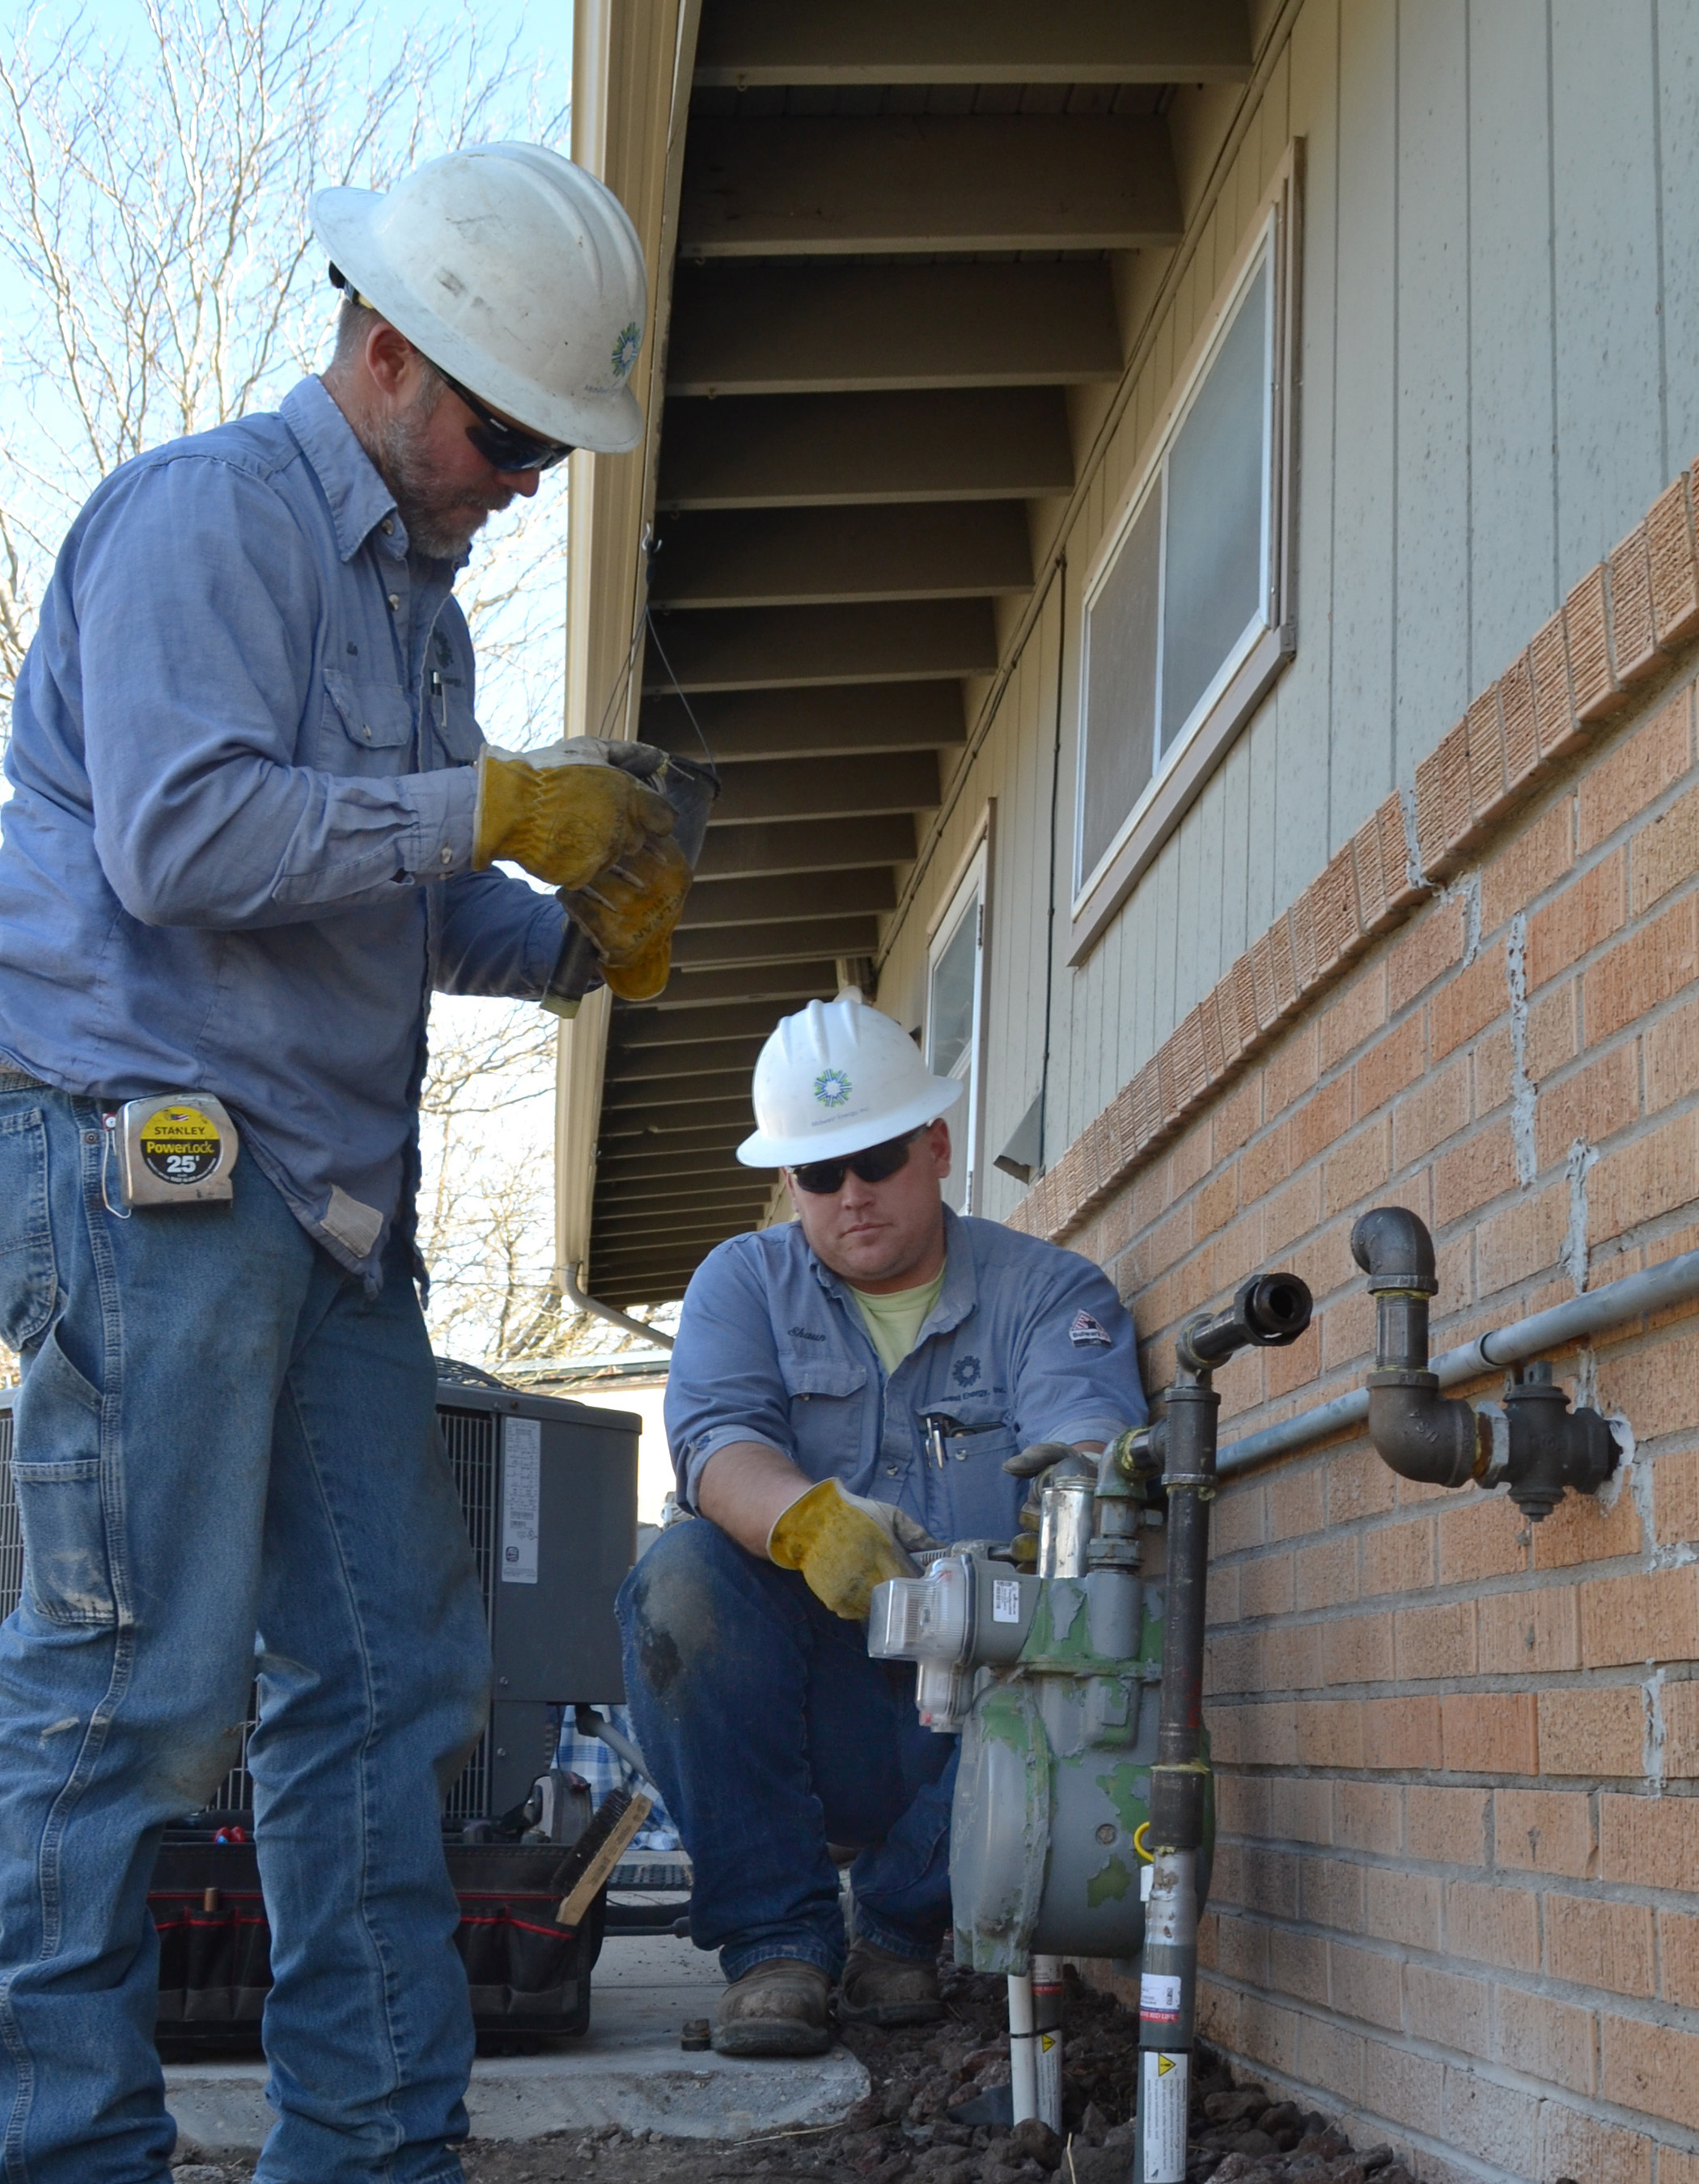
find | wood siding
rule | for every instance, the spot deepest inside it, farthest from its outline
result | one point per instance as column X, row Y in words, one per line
column 1500, row 346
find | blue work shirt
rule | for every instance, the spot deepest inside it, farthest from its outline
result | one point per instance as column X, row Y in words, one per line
column 237, row 856
column 1027, row 1342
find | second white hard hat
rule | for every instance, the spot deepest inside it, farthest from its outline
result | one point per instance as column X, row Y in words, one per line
column 513, row 271
column 835, row 1078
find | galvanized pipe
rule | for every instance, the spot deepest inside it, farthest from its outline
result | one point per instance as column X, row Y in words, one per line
column 1675, row 1282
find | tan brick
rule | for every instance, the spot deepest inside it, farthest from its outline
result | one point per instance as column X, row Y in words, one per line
column 1493, row 1925
column 1301, row 1810
column 1398, row 1557
column 1329, row 1733
column 1675, row 1496
column 1389, row 1064
column 1294, row 1365
column 1437, row 1108
column 1544, row 1831
column 1449, row 2008
column 1292, row 1657
column 1433, row 944
column 1286, row 1214
column 1650, row 2067
column 1289, row 1070
column 1589, row 909
column 1493, row 1060
column 1330, row 1892
column 1674, row 574
column 1242, row 1950
column 1359, row 1484
column 1665, row 852
column 1681, row 1732
column 1266, row 1585
column 1447, row 1826
column 1400, row 1733
column 1678, row 1957
column 1636, row 772
column 1596, row 1732
column 1479, row 1169
column 1354, row 1018
column 1298, row 1965
column 1436, row 1642
column 1401, row 1906
column 1490, row 1733
column 1265, row 1164
column 1297, row 1502
column 1597, row 1944
column 1673, row 2167
column 1653, row 1618
column 1652, row 1842
column 1330, row 2057
column 1595, row 1103
column 1326, row 1573
column 1468, row 1004
column 1552, row 1038
column 1357, row 1649
column 1572, row 2144
column 1216, row 1203
column 1403, row 2087
column 1672, row 1057
column 1579, row 1530
column 1654, row 962
column 1496, row 2123
column 1534, row 859
column 1366, row 1985
column 1358, row 1169
column 1648, row 1177
column 1522, row 1238
column 1548, row 660
column 1547, row 2039
column 1368, row 1816
column 1270, row 1882
column 1323, row 1120
column 1481, row 1536
column 1240, row 1519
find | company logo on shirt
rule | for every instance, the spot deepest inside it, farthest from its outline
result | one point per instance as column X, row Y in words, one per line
column 1088, row 1334
column 965, row 1372
column 831, row 1088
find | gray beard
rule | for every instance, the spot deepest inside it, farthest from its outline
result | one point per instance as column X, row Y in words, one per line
column 441, row 525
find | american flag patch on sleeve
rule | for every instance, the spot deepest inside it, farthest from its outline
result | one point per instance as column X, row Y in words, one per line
column 1086, row 1333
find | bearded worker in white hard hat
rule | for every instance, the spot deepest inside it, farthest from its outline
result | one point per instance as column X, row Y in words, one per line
column 844, row 1387
column 252, row 825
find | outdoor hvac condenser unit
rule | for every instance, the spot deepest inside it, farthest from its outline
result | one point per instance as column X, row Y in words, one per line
column 549, row 1489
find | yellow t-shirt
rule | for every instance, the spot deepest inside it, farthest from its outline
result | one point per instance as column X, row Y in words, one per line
column 894, row 1321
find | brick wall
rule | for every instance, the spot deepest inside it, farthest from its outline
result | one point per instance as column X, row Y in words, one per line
column 1457, row 1888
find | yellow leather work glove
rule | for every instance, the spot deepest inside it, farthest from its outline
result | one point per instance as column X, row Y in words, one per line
column 844, row 1546
column 562, row 812
column 629, row 911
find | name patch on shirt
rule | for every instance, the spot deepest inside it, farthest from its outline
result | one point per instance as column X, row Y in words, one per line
column 1088, row 1334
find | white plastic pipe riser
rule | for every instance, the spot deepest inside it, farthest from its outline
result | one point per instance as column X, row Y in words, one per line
column 1023, row 2062
column 1675, row 1282
column 1047, row 2026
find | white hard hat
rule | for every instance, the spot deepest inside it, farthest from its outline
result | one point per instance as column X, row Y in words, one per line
column 513, row 271
column 835, row 1078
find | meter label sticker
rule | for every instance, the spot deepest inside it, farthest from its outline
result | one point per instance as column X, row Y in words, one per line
column 521, row 1484
column 1162, row 2089
column 1005, row 1600
column 180, row 1145
column 1159, row 1997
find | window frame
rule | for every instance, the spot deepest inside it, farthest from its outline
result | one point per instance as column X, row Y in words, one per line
column 1256, row 658
column 972, row 873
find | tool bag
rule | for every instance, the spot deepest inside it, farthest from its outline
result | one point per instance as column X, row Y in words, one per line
column 526, row 1974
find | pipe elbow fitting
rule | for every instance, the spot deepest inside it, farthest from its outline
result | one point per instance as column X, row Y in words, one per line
column 1424, row 1436
column 1392, row 1247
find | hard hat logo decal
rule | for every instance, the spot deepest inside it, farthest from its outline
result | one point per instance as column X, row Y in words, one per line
column 625, row 350
column 831, row 1088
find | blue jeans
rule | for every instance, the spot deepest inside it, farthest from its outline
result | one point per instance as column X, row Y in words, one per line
column 770, row 1734
column 218, row 1435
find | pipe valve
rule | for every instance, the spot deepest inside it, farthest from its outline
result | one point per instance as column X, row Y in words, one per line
column 1535, row 1445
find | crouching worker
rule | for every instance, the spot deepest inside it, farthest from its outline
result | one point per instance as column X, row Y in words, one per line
column 844, row 1386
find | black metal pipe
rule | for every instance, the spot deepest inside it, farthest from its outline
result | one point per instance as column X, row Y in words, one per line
column 1417, row 1431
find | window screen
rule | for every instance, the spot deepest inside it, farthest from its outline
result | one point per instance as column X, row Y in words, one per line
column 1183, row 593
column 955, row 985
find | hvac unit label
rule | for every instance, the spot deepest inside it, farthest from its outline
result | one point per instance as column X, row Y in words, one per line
column 522, row 1490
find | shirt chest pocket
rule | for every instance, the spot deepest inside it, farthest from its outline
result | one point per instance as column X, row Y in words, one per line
column 825, row 1397
column 367, row 724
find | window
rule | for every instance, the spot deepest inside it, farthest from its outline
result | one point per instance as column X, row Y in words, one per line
column 955, row 1004
column 1184, row 620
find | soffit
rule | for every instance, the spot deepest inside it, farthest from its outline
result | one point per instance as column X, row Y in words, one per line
column 893, row 244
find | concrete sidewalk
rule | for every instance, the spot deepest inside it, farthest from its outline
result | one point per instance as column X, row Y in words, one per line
column 627, row 2070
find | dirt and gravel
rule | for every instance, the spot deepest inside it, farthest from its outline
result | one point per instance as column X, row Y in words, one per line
column 904, row 2131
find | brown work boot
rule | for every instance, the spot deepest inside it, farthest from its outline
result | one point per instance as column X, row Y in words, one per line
column 778, row 2008
column 879, row 1988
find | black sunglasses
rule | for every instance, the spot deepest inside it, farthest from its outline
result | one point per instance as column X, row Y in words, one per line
column 820, row 1179
column 504, row 447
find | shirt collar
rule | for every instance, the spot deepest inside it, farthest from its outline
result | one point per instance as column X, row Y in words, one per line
column 357, row 498
column 957, row 1298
